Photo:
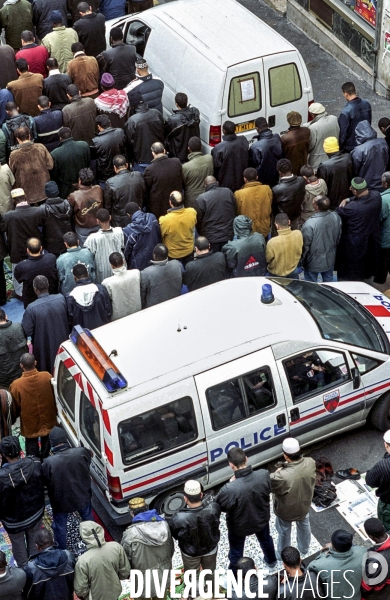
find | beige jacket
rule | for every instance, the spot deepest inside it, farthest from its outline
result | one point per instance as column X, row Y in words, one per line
column 284, row 251
column 292, row 489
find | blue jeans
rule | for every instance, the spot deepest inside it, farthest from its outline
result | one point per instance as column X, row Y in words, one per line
column 140, row 167
column 237, row 543
column 303, row 535
column 60, row 520
column 326, row 275
column 293, row 275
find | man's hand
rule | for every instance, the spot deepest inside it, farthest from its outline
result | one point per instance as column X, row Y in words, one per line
column 232, row 478
column 343, row 203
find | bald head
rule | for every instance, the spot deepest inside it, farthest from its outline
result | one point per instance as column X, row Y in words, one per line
column 175, row 199
column 209, row 180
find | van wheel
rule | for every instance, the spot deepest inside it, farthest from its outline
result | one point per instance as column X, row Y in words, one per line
column 380, row 413
column 168, row 504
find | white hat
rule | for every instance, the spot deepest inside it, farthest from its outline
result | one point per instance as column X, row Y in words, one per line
column 192, row 488
column 386, row 437
column 316, row 108
column 291, row 446
column 17, row 192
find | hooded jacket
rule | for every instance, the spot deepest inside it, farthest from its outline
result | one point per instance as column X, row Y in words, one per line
column 245, row 255
column 328, row 562
column 88, row 305
column 66, row 476
column 197, row 529
column 181, row 126
column 124, row 187
column 381, row 589
column 148, row 545
column 22, row 499
column 370, row 156
column 65, row 264
column 12, row 346
column 50, row 575
column 101, row 568
column 141, row 235
column 321, row 234
column 58, row 213
column 124, row 291
column 216, row 209
column 264, row 154
column 312, row 189
column 246, row 501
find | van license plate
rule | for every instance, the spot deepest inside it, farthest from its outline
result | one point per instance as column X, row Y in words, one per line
column 245, row 126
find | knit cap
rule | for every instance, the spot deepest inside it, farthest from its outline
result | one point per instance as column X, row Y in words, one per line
column 331, row 145
column 57, row 436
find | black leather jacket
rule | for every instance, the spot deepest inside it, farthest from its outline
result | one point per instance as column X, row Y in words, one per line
column 288, row 196
column 105, row 146
column 197, row 529
column 124, row 187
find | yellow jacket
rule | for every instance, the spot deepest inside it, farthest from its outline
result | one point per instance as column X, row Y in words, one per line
column 177, row 231
column 284, row 251
column 254, row 200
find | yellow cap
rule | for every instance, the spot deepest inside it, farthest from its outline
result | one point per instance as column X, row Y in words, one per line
column 136, row 503
column 331, row 145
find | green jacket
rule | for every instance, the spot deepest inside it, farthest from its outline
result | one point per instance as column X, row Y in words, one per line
column 385, row 219
column 292, row 488
column 15, row 18
column 58, row 43
column 69, row 158
column 345, row 584
column 99, row 571
column 194, row 172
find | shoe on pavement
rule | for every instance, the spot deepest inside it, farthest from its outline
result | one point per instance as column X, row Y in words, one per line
column 348, row 474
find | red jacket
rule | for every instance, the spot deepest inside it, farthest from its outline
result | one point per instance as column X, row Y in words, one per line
column 36, row 57
column 380, row 590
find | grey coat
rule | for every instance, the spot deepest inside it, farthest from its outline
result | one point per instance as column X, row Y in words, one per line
column 350, row 563
column 12, row 584
column 160, row 282
column 321, row 127
column 321, row 234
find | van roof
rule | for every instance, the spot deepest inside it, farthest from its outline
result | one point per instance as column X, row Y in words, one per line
column 206, row 23
column 197, row 331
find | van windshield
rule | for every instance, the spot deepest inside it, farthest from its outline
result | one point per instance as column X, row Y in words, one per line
column 338, row 316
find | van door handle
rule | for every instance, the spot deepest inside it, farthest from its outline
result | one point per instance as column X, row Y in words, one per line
column 294, row 414
column 281, row 421
column 272, row 121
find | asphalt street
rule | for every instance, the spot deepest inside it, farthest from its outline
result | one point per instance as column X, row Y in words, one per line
column 360, row 448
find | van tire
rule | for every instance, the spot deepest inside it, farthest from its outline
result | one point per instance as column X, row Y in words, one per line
column 380, row 413
column 170, row 502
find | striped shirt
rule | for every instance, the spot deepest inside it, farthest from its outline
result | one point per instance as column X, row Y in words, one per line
column 102, row 244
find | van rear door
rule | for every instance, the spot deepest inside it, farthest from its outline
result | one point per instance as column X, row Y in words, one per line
column 243, row 406
column 286, row 89
column 243, row 99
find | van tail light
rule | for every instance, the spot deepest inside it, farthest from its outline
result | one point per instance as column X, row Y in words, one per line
column 215, row 135
column 310, row 117
column 114, row 485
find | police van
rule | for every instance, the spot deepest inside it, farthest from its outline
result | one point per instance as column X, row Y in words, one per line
column 161, row 396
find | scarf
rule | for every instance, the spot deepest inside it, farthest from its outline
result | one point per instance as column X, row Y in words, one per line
column 115, row 101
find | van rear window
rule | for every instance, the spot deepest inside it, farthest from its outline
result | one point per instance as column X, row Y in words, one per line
column 157, row 430
column 244, row 95
column 284, row 84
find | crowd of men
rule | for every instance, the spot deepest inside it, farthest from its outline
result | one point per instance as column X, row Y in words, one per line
column 46, row 570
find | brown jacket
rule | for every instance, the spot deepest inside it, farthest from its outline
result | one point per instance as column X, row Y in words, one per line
column 30, row 165
column 254, row 200
column 84, row 72
column 296, row 142
column 86, row 201
column 33, row 395
column 26, row 91
column 80, row 115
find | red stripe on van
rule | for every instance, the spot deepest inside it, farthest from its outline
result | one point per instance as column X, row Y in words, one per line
column 69, row 363
column 79, row 380
column 109, row 454
column 106, row 420
column 377, row 310
column 168, row 474
column 91, row 395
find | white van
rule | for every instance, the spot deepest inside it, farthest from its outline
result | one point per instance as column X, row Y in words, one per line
column 231, row 64
column 162, row 395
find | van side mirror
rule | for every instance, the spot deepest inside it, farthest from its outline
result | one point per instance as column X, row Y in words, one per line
column 355, row 377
